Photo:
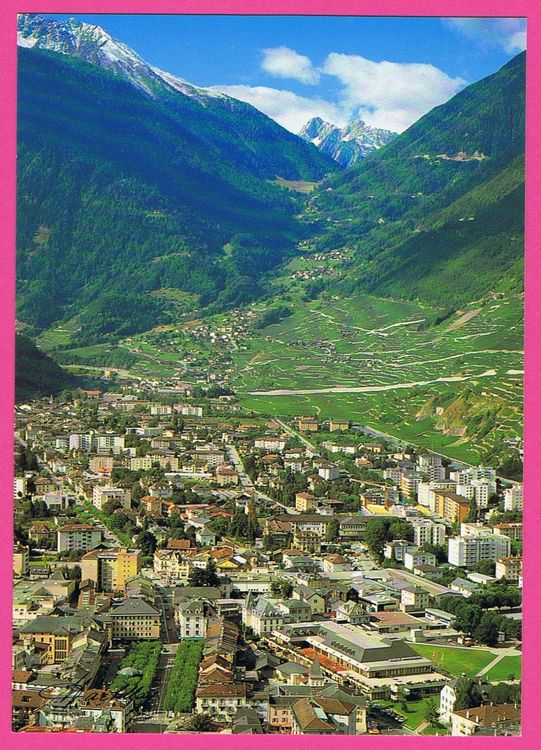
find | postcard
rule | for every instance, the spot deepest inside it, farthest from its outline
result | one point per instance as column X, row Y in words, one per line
column 267, row 270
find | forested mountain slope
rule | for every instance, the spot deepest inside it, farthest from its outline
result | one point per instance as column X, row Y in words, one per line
column 121, row 193
column 438, row 213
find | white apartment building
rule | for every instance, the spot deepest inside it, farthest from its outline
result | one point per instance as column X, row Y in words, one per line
column 85, row 442
column 270, row 443
column 160, row 410
column 77, row 536
column 479, row 490
column 110, row 444
column 102, row 495
column 513, row 497
column 467, row 476
column 56, row 500
column 187, row 410
column 414, row 557
column 428, row 532
column 19, row 486
column 467, row 551
column 329, row 471
column 393, row 473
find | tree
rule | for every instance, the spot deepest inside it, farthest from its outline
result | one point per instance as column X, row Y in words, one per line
column 473, row 512
column 111, row 505
column 252, row 527
column 201, row 723
column 400, row 529
column 282, row 589
column 468, row 694
column 204, row 576
column 487, row 630
column 333, row 530
column 468, row 617
column 376, row 535
column 430, row 713
column 146, row 542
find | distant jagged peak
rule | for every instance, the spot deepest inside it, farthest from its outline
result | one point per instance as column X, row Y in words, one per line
column 345, row 145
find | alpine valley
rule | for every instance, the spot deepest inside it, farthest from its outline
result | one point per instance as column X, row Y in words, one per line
column 167, row 230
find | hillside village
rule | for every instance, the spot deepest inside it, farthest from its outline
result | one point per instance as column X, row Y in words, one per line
column 183, row 565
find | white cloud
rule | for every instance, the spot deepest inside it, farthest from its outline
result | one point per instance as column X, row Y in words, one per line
column 386, row 94
column 507, row 33
column 288, row 109
column 283, row 62
column 383, row 94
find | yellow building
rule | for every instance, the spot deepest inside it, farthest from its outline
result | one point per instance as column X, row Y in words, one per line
column 111, row 568
column 307, row 541
column 58, row 633
column 447, row 504
column 20, row 559
column 305, row 502
column 307, row 424
column 169, row 564
column 338, row 424
column 135, row 619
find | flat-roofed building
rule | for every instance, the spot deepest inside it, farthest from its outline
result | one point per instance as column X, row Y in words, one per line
column 450, row 505
column 110, row 569
column 78, row 536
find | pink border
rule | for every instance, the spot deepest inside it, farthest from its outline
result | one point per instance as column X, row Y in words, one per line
column 532, row 667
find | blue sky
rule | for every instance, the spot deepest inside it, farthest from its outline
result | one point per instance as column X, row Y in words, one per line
column 388, row 71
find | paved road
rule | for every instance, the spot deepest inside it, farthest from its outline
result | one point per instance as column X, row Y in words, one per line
column 161, row 679
column 245, row 480
column 298, row 435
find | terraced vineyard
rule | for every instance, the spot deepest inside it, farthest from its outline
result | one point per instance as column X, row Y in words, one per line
column 449, row 380
column 382, row 363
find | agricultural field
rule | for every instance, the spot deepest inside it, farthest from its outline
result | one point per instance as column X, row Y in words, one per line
column 456, row 660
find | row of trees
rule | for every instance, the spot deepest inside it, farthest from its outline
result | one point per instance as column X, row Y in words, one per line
column 483, row 625
column 143, row 657
column 179, row 696
column 474, row 692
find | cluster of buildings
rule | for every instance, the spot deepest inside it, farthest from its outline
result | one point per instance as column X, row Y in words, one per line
column 141, row 518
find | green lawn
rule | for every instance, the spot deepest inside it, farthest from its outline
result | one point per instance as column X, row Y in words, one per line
column 501, row 671
column 414, row 714
column 455, row 660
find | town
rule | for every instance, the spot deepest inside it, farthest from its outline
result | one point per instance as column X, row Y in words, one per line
column 183, row 564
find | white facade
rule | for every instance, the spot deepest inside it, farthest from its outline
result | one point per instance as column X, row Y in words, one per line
column 447, row 703
column 78, row 537
column 270, row 444
column 329, row 472
column 82, row 442
column 19, row 486
column 428, row 532
column 467, row 551
column 425, row 490
column 513, row 497
column 101, row 495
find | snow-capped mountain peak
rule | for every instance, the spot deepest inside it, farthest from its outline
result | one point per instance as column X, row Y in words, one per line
column 95, row 45
column 345, row 145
